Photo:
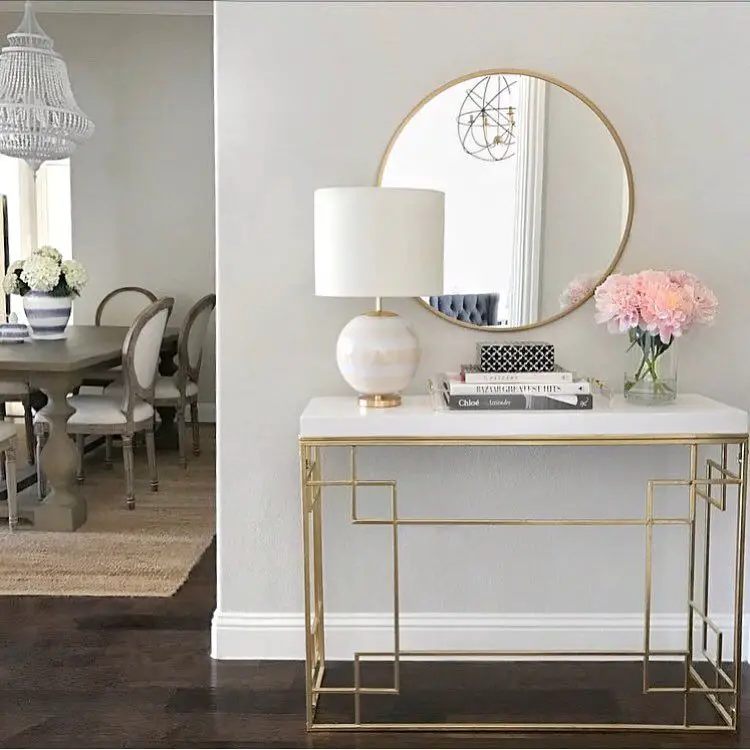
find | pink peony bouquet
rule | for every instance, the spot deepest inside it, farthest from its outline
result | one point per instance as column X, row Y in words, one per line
column 654, row 308
column 667, row 303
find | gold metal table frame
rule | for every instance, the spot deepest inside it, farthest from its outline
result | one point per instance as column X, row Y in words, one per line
column 714, row 486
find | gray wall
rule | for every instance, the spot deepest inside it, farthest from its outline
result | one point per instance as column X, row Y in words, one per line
column 355, row 71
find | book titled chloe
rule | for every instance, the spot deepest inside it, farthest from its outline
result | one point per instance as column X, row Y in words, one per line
column 518, row 402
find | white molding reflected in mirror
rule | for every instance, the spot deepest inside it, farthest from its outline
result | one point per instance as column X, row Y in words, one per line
column 539, row 195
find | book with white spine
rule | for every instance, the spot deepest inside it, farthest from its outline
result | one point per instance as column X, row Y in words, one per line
column 457, row 387
column 473, row 374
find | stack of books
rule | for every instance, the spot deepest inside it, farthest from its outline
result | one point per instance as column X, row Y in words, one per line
column 520, row 375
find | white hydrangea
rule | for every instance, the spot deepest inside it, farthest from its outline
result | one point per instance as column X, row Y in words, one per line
column 10, row 283
column 41, row 272
column 49, row 252
column 75, row 275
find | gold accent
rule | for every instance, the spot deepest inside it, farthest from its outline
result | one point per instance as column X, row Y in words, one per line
column 535, row 440
column 380, row 314
column 723, row 695
column 380, row 400
column 620, row 147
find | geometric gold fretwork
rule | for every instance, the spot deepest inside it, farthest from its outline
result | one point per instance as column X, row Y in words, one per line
column 706, row 672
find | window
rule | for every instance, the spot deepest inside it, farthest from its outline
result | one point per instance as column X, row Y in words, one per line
column 50, row 201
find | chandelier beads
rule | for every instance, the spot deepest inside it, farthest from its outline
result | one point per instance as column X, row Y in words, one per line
column 39, row 117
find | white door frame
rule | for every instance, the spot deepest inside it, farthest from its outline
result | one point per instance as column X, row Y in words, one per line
column 527, row 232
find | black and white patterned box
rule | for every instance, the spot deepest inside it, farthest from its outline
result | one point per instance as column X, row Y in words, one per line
column 516, row 356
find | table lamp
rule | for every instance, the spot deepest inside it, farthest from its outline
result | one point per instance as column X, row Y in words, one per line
column 378, row 242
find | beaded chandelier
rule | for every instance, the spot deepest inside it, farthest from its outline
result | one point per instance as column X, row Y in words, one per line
column 39, row 117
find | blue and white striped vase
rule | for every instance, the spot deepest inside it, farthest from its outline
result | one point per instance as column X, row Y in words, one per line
column 47, row 316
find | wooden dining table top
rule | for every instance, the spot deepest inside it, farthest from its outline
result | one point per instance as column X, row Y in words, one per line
column 85, row 347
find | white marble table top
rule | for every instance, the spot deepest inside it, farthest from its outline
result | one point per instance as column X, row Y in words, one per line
column 691, row 415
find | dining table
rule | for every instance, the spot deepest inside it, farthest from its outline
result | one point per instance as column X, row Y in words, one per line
column 56, row 368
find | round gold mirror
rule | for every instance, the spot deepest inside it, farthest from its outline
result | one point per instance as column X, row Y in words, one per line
column 538, row 195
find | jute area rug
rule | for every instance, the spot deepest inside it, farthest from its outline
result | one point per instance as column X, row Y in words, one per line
column 148, row 551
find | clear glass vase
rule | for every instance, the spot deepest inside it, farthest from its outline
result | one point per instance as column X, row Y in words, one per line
column 651, row 369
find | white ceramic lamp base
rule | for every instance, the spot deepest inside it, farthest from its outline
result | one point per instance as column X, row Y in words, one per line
column 378, row 354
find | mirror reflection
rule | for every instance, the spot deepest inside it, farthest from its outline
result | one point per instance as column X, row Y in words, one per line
column 538, row 195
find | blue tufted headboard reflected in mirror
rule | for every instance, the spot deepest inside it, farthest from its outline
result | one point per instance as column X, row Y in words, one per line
column 477, row 309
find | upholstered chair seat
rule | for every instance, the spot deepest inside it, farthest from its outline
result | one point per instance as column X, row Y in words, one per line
column 166, row 387
column 102, row 410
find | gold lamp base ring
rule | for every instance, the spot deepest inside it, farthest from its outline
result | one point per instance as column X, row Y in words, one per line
column 380, row 401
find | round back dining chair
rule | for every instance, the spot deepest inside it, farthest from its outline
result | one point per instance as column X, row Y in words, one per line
column 129, row 411
column 121, row 306
column 118, row 308
column 192, row 338
column 180, row 391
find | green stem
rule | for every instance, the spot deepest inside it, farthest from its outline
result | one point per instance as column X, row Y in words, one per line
column 652, row 349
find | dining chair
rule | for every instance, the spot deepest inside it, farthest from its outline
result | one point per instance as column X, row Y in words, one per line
column 181, row 389
column 122, row 305
column 8, row 448
column 118, row 308
column 11, row 392
column 130, row 413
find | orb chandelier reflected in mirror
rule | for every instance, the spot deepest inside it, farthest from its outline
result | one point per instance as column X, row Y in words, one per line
column 39, row 117
column 487, row 118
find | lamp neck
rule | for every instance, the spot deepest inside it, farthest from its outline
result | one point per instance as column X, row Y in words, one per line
column 378, row 304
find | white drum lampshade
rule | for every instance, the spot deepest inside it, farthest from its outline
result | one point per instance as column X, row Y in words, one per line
column 378, row 242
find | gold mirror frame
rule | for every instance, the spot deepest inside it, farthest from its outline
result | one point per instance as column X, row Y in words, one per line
column 620, row 147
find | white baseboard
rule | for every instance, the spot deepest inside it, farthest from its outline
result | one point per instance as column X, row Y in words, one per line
column 243, row 635
column 207, row 411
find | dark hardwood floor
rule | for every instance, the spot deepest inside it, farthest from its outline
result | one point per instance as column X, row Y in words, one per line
column 78, row 672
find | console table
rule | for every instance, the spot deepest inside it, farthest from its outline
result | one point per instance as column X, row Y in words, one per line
column 714, row 434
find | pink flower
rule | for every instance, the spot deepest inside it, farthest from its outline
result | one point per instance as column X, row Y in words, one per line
column 666, row 307
column 705, row 303
column 683, row 278
column 617, row 303
column 666, row 303
column 577, row 291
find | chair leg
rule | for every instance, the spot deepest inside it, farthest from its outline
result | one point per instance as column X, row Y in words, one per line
column 108, row 451
column 151, row 453
column 195, row 423
column 41, row 481
column 3, row 415
column 181, row 429
column 127, row 455
column 28, row 421
column 80, row 444
column 12, row 487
